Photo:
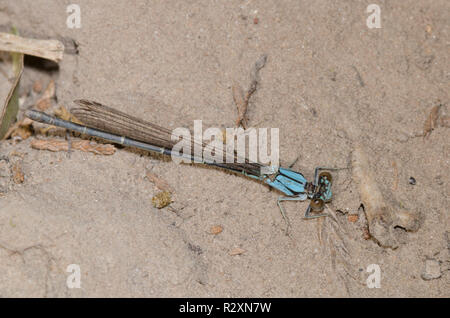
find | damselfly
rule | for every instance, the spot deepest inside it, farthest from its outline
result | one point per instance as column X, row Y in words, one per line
column 120, row 128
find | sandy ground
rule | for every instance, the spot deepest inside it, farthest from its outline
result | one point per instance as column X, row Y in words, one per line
column 329, row 82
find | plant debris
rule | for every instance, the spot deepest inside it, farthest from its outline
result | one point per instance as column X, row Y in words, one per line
column 237, row 251
column 22, row 129
column 48, row 49
column 17, row 174
column 63, row 145
column 216, row 229
column 242, row 100
column 162, row 199
column 10, row 107
column 431, row 122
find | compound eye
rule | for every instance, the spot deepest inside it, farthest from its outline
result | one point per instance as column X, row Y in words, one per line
column 317, row 205
column 326, row 175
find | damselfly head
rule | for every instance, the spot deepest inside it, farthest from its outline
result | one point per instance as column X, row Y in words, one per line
column 317, row 205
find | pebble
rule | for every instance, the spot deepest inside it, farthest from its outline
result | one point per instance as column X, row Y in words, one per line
column 412, row 180
column 432, row 270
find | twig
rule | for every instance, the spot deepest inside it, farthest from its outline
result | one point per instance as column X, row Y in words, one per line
column 48, row 49
column 242, row 100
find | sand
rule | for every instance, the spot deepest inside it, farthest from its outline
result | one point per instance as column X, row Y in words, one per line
column 329, row 82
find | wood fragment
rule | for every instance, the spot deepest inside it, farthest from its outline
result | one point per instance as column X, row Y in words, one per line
column 158, row 182
column 216, row 229
column 236, row 251
column 22, row 129
column 48, row 49
column 63, row 145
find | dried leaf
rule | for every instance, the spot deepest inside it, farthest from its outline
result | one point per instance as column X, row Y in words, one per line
column 352, row 218
column 237, row 251
column 430, row 122
column 18, row 176
column 63, row 145
column 10, row 108
column 215, row 229
column 23, row 132
column 162, row 199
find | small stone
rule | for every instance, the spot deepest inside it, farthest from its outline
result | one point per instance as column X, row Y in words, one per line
column 412, row 181
column 432, row 270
